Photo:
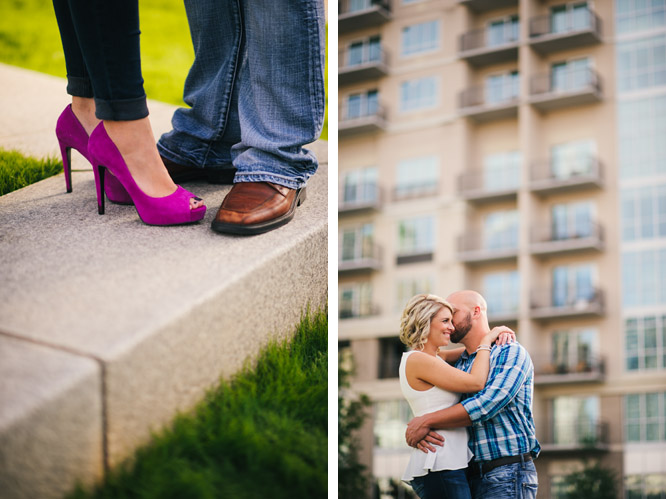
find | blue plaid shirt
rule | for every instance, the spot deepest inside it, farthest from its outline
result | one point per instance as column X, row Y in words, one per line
column 501, row 413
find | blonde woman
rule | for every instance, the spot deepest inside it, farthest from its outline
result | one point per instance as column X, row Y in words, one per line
column 430, row 383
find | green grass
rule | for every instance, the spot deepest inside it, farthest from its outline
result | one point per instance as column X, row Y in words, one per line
column 261, row 434
column 29, row 38
column 17, row 171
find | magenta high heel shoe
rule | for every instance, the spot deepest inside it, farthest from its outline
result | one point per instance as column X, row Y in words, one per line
column 173, row 209
column 72, row 135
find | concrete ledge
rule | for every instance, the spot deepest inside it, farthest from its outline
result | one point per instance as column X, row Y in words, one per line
column 147, row 317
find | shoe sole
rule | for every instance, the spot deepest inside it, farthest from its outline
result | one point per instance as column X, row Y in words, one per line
column 260, row 228
column 210, row 175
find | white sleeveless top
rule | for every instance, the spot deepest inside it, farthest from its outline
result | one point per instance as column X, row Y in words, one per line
column 455, row 453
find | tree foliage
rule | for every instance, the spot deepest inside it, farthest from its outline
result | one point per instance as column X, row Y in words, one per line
column 592, row 482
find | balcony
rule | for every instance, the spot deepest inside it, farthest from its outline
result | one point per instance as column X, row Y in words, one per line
column 480, row 48
column 477, row 248
column 359, row 14
column 369, row 261
column 482, row 187
column 359, row 198
column 550, row 177
column 486, row 5
column 549, row 372
column 477, row 103
column 583, row 436
column 358, row 310
column 546, row 307
column 367, row 121
column 371, row 64
column 416, row 256
column 548, row 241
column 499, row 317
column 570, row 88
column 550, row 34
column 415, row 191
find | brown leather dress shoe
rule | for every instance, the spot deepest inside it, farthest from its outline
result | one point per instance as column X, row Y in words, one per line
column 257, row 207
column 181, row 174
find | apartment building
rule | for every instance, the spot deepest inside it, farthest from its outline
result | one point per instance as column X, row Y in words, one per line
column 516, row 147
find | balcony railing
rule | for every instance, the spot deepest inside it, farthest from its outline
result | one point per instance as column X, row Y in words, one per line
column 373, row 63
column 545, row 306
column 370, row 260
column 480, row 48
column 414, row 191
column 548, row 371
column 363, row 310
column 571, row 87
column 547, row 240
column 479, row 187
column 414, row 256
column 554, row 33
column 549, row 177
column 591, row 436
column 486, row 5
column 482, row 248
column 362, row 197
column 502, row 316
column 359, row 14
column 363, row 121
column 483, row 104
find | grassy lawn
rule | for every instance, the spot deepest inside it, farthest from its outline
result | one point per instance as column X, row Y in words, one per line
column 17, row 171
column 261, row 434
column 29, row 38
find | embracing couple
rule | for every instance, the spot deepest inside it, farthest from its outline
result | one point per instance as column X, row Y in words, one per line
column 482, row 443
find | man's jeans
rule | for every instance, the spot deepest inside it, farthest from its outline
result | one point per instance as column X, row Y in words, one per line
column 451, row 484
column 256, row 89
column 518, row 480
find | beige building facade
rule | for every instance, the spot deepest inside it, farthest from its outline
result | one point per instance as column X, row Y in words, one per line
column 515, row 147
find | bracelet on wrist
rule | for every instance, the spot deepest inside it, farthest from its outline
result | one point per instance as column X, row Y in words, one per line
column 483, row 347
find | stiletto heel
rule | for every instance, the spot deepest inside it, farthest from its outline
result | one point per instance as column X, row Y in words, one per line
column 173, row 209
column 99, row 187
column 72, row 135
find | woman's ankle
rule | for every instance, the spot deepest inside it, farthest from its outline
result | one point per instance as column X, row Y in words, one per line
column 84, row 110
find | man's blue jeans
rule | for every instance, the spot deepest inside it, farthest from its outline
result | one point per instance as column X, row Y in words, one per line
column 449, row 484
column 256, row 89
column 518, row 480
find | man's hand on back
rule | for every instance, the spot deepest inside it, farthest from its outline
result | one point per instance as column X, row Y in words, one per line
column 421, row 436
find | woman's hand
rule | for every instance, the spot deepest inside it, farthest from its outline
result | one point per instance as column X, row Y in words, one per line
column 501, row 335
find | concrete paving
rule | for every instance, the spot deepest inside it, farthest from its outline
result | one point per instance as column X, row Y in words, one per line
column 130, row 322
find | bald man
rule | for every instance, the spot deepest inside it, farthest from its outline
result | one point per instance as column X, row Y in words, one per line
column 499, row 417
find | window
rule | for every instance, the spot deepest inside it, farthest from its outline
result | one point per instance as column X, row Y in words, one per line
column 501, row 171
column 390, row 354
column 642, row 127
column 356, row 243
column 416, row 236
column 361, row 105
column 638, row 15
column 502, row 31
column 573, row 285
column 570, row 17
column 407, row 288
column 364, row 52
column 645, row 417
column 502, row 292
column 571, row 220
column 390, row 420
column 419, row 38
column 418, row 94
column 570, row 76
column 355, row 300
column 645, row 342
column 417, row 176
column 360, row 186
column 643, row 212
column 502, row 88
column 574, row 351
column 648, row 486
column 641, row 63
column 644, row 277
column 501, row 230
column 359, row 5
column 575, row 420
column 572, row 158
